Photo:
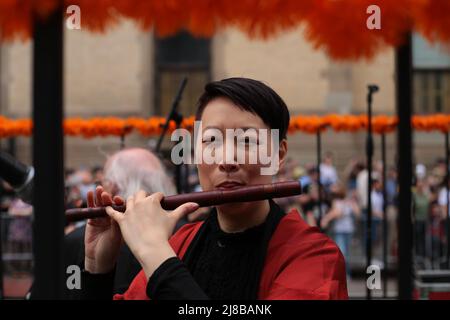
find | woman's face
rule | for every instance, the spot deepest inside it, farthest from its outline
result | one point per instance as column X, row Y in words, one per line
column 228, row 171
column 420, row 185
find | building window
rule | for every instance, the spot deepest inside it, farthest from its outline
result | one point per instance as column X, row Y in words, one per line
column 431, row 76
column 432, row 91
column 176, row 57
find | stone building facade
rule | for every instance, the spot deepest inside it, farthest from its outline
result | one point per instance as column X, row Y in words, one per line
column 128, row 72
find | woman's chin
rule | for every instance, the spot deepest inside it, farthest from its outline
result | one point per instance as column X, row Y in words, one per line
column 232, row 209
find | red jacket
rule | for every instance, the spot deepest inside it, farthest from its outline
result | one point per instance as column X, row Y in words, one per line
column 301, row 263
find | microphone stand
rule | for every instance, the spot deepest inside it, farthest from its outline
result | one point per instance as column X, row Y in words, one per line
column 176, row 116
column 369, row 150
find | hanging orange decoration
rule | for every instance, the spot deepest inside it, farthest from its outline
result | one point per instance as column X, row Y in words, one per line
column 439, row 122
column 13, row 128
column 433, row 20
column 16, row 16
column 112, row 126
column 98, row 15
column 339, row 27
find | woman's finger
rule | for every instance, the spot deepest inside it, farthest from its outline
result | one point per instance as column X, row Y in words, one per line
column 130, row 203
column 184, row 210
column 90, row 199
column 118, row 200
column 157, row 196
column 140, row 195
column 115, row 215
column 98, row 196
column 106, row 199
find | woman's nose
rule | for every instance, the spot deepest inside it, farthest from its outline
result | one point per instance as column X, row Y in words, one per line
column 228, row 167
column 228, row 162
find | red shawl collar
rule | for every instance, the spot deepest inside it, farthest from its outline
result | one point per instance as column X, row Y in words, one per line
column 301, row 263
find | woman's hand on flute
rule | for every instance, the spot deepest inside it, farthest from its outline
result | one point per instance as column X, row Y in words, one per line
column 102, row 237
column 146, row 228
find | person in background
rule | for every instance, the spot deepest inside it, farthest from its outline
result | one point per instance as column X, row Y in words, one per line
column 351, row 171
column 436, row 232
column 340, row 219
column 421, row 171
column 361, row 188
column 287, row 174
column 391, row 186
column 328, row 174
column 443, row 198
column 7, row 194
column 87, row 183
column 19, row 233
column 421, row 201
column 97, row 174
column 125, row 172
column 438, row 172
column 309, row 199
column 377, row 210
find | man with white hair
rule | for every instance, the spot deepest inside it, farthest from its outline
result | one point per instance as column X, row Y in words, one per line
column 130, row 170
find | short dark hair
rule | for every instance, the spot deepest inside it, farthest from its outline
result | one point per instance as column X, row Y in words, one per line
column 252, row 96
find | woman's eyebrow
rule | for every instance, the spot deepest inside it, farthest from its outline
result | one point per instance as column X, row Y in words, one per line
column 210, row 127
column 218, row 128
column 247, row 128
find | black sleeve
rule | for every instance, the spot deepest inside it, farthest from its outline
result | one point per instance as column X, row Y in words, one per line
column 127, row 267
column 173, row 281
column 97, row 286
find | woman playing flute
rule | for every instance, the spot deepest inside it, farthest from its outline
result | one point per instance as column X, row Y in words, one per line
column 247, row 250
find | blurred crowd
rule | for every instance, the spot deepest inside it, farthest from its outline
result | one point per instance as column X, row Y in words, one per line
column 78, row 183
column 16, row 217
column 340, row 209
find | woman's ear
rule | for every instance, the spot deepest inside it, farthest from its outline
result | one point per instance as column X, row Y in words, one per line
column 282, row 153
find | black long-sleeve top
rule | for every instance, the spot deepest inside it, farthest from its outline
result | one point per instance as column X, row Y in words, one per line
column 217, row 265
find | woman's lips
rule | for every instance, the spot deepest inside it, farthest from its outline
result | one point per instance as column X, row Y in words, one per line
column 229, row 186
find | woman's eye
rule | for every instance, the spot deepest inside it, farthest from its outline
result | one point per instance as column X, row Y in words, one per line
column 248, row 140
column 208, row 139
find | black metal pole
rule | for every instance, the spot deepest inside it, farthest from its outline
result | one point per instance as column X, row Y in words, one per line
column 178, row 118
column 385, row 224
column 172, row 114
column 48, row 158
column 447, row 178
column 2, row 294
column 319, row 182
column 1, row 220
column 180, row 184
column 11, row 147
column 369, row 153
column 122, row 141
column 404, row 98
